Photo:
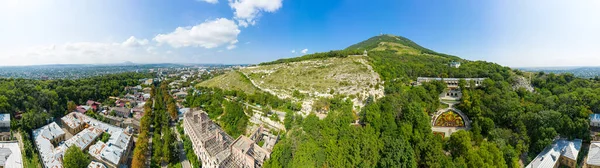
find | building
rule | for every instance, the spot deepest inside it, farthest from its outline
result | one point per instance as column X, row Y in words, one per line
column 180, row 95
column 595, row 120
column 454, row 64
column 217, row 149
column 10, row 155
column 209, row 141
column 46, row 138
column 246, row 152
column 94, row 164
column 94, row 105
column 121, row 111
column 83, row 139
column 451, row 82
column 560, row 152
column 593, row 157
column 51, row 144
column 72, row 123
column 114, row 152
column 5, row 127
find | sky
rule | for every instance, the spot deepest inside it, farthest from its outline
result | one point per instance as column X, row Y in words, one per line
column 515, row 33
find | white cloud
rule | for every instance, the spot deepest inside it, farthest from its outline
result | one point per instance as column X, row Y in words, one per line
column 231, row 47
column 210, row 1
column 133, row 42
column 247, row 11
column 80, row 53
column 304, row 51
column 293, row 51
column 210, row 34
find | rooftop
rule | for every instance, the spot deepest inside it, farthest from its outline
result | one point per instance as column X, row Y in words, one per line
column 42, row 136
column 113, row 150
column 72, row 120
column 94, row 164
column 249, row 148
column 215, row 140
column 10, row 155
column 5, row 117
column 593, row 157
column 595, row 117
column 550, row 155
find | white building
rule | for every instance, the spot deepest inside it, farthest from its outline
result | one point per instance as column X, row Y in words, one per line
column 114, row 152
column 5, row 120
column 595, row 120
column 593, row 157
column 4, row 127
column 45, row 139
column 10, row 155
column 454, row 64
column 560, row 152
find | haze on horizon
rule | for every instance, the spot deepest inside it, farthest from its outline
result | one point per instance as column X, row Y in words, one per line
column 512, row 33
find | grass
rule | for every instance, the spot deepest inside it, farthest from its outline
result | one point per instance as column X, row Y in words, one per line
column 345, row 75
column 232, row 80
column 32, row 162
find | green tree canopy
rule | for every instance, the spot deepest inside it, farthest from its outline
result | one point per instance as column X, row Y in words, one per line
column 75, row 158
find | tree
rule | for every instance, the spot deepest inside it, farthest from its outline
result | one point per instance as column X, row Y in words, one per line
column 75, row 158
column 105, row 137
column 397, row 153
column 4, row 105
column 71, row 106
column 172, row 108
column 460, row 143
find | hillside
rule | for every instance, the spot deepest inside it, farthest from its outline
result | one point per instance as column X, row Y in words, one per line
column 232, row 80
column 311, row 79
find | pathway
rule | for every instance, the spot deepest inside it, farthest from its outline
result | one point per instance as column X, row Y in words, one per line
column 185, row 163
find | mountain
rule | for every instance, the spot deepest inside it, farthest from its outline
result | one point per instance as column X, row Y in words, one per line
column 397, row 43
column 391, row 62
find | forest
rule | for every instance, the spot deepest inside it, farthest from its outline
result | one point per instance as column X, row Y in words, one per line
column 28, row 95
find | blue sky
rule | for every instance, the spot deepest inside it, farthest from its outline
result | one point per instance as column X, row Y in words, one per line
column 511, row 33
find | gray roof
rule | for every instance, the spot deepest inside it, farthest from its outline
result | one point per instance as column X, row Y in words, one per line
column 5, row 117
column 550, row 155
column 4, row 154
column 10, row 155
column 593, row 157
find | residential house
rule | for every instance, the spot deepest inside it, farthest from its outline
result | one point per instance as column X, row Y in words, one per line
column 5, row 127
column 595, row 120
column 121, row 111
column 560, row 152
column 94, row 105
column 593, row 157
